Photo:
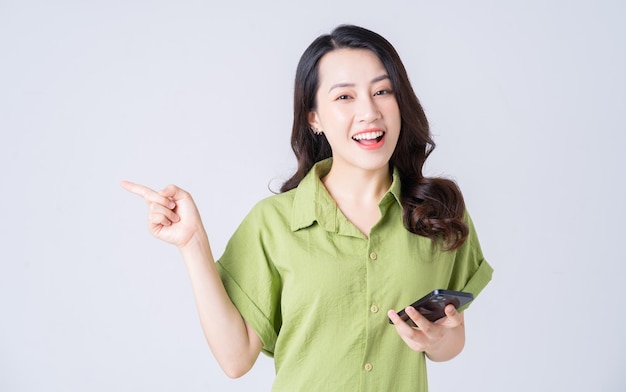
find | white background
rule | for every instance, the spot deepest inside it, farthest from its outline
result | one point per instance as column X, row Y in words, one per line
column 526, row 100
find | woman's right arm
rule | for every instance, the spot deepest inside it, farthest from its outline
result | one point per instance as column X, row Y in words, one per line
column 174, row 218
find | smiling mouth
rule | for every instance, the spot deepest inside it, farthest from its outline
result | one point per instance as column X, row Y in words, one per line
column 368, row 138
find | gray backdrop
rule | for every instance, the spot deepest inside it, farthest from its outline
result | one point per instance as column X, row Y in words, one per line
column 526, row 101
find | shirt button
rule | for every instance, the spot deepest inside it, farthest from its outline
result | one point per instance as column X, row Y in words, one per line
column 373, row 256
column 368, row 367
column 374, row 309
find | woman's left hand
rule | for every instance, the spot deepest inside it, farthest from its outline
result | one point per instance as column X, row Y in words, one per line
column 440, row 340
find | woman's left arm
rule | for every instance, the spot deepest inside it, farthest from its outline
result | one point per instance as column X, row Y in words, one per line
column 440, row 341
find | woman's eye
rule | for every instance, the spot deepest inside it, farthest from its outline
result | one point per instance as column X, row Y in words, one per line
column 382, row 92
column 343, row 97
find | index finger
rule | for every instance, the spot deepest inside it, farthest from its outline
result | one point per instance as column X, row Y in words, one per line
column 147, row 194
column 401, row 324
column 418, row 319
column 137, row 189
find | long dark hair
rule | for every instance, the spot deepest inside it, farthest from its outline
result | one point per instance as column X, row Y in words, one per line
column 432, row 207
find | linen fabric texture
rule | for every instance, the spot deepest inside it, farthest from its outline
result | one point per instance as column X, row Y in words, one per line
column 316, row 290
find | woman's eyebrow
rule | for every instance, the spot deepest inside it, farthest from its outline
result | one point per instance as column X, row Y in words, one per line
column 375, row 80
column 379, row 78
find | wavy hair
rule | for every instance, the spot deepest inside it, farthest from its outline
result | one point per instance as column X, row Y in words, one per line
column 432, row 207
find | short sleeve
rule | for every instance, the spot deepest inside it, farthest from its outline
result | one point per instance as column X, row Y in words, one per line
column 471, row 272
column 251, row 281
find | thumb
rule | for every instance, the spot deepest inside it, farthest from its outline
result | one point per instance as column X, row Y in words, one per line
column 174, row 193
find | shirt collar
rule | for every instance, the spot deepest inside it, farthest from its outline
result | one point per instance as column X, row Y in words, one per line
column 312, row 202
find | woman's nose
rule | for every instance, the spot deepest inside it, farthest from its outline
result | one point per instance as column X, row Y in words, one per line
column 367, row 110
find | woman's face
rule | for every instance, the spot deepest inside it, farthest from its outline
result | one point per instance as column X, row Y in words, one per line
column 356, row 109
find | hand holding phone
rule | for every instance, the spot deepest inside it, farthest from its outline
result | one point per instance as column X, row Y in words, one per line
column 432, row 306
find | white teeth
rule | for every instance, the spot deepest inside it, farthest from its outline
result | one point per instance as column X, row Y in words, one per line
column 368, row 135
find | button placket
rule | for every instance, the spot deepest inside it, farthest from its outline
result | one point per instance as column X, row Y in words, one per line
column 372, row 266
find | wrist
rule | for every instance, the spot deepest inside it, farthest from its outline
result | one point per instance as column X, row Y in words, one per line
column 198, row 242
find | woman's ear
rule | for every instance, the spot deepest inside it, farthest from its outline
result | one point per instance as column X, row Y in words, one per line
column 314, row 122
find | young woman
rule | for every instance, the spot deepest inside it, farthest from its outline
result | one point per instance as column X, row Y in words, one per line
column 313, row 274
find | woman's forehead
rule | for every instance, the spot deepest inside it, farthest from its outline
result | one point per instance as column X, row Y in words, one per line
column 350, row 66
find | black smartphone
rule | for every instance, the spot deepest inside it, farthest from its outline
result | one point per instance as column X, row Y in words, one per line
column 433, row 304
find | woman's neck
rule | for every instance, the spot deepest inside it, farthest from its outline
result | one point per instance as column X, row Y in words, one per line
column 359, row 186
column 357, row 194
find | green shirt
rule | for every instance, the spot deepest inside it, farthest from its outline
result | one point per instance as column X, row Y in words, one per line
column 316, row 290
